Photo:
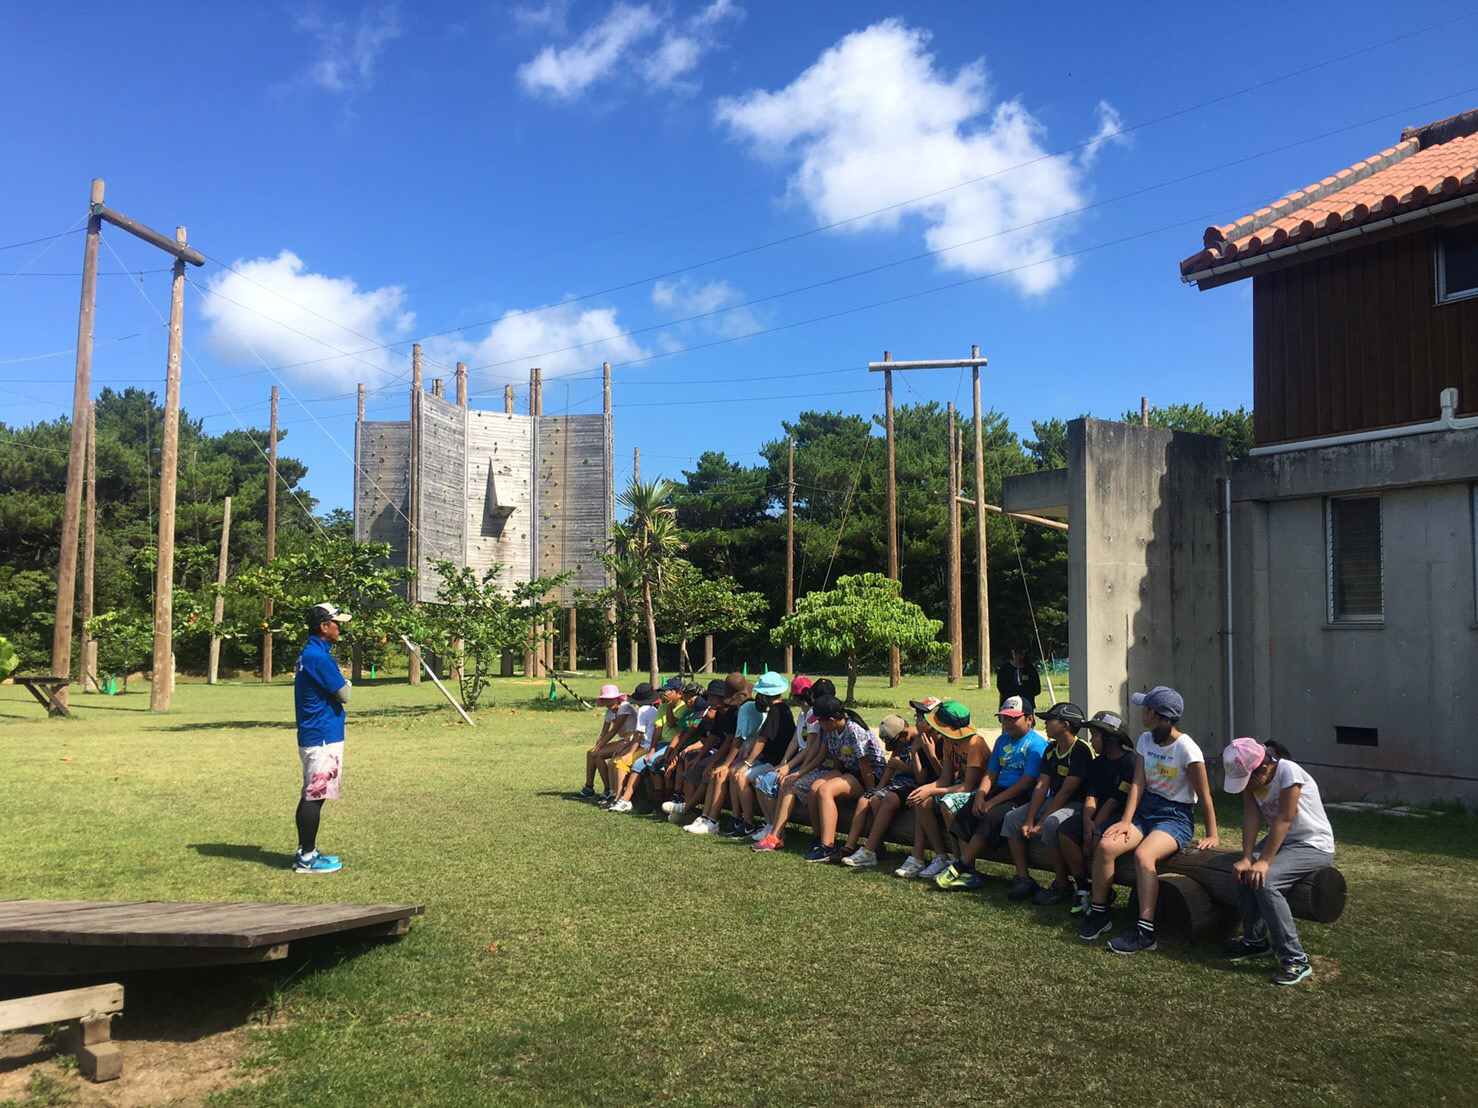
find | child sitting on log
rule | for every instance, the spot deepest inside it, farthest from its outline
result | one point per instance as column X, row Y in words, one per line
column 1109, row 779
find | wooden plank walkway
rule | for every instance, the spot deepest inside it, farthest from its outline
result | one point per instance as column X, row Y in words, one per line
column 85, row 936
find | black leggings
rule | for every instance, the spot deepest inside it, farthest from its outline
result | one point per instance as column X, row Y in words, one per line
column 307, row 817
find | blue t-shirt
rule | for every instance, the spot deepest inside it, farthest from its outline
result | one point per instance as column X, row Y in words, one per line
column 1013, row 759
column 320, row 715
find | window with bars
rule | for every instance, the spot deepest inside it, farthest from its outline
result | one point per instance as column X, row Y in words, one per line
column 1356, row 593
column 1457, row 263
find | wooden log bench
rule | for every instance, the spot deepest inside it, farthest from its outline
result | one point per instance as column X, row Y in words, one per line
column 46, row 690
column 86, row 1016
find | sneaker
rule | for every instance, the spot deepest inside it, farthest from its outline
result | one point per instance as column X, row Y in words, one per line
column 911, row 867
column 1023, row 888
column 1132, row 942
column 954, row 877
column 769, row 842
column 702, row 826
column 677, row 815
column 763, row 830
column 1245, row 950
column 1053, row 894
column 606, row 801
column 738, row 829
column 841, row 854
column 316, row 863
column 620, row 806
column 1082, row 901
column 587, row 793
column 673, row 805
column 1291, row 973
column 821, row 853
column 1095, row 925
column 861, row 857
column 940, row 863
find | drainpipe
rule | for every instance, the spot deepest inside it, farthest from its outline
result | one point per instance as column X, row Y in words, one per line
column 1447, row 421
column 1226, row 553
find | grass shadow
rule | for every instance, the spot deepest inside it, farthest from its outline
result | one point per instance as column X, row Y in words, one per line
column 244, row 852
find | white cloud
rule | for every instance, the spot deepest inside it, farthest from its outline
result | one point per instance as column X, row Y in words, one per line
column 686, row 297
column 559, row 338
column 875, row 127
column 326, row 330
column 630, row 39
column 1110, row 132
column 349, row 49
column 551, row 18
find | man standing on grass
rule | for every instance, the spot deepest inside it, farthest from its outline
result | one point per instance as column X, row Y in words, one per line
column 319, row 695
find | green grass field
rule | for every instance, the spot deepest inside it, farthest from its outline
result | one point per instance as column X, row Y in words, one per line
column 568, row 955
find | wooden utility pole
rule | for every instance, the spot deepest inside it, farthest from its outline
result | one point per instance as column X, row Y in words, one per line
column 982, row 589
column 356, row 655
column 508, row 399
column 636, row 479
column 952, row 560
column 895, row 670
column 161, row 686
column 413, row 531
column 612, row 648
column 886, row 368
column 790, row 548
column 270, row 607
column 89, row 651
column 66, row 576
column 1144, row 411
column 461, row 384
column 212, row 670
column 574, row 652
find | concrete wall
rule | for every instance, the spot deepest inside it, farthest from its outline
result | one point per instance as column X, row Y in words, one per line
column 1298, row 676
column 1145, row 570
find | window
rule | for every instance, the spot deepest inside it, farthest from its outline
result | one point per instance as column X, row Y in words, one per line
column 1457, row 263
column 1356, row 736
column 1355, row 586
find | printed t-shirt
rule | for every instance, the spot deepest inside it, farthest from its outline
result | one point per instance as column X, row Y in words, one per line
column 1058, row 767
column 316, row 680
column 1165, row 767
column 1013, row 759
column 1110, row 779
column 853, row 744
column 965, row 755
column 748, row 720
column 805, row 727
column 1310, row 825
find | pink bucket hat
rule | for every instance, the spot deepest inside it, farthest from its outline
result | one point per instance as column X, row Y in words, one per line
column 1239, row 759
column 609, row 692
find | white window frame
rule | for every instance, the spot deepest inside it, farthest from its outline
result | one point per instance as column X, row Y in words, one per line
column 1331, row 613
column 1439, row 257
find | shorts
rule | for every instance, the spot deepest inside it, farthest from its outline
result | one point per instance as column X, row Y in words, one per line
column 694, row 773
column 953, row 802
column 1052, row 825
column 756, row 771
column 644, row 763
column 767, row 782
column 1158, row 814
column 803, row 785
column 900, row 789
column 968, row 825
column 323, row 770
column 624, row 764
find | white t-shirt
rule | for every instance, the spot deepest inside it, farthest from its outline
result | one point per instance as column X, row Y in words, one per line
column 1310, row 825
column 641, row 720
column 805, row 727
column 1165, row 767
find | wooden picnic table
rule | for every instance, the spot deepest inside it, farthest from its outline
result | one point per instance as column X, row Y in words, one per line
column 45, row 690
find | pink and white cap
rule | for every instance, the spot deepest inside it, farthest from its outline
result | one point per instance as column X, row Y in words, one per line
column 1239, row 759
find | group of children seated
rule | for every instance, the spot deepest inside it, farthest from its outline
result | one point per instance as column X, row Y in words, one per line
column 1086, row 790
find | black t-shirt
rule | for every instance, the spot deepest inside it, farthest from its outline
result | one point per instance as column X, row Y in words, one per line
column 777, row 729
column 718, row 727
column 1058, row 767
column 1110, row 778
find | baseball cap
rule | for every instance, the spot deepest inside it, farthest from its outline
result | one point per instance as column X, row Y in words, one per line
column 1066, row 711
column 925, row 706
column 952, row 720
column 672, row 684
column 1013, row 707
column 1162, row 700
column 1111, row 724
column 771, row 683
column 327, row 612
column 890, row 727
column 1239, row 759
column 718, row 689
column 799, row 684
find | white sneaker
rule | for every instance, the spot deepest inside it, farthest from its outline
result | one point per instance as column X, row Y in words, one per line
column 764, row 830
column 702, row 826
column 860, row 857
column 620, row 806
column 677, row 815
column 940, row 863
column 670, row 806
column 911, row 867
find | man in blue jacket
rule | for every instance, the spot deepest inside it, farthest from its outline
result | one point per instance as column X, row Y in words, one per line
column 319, row 696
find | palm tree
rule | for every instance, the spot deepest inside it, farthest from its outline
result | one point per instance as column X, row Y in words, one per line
column 647, row 540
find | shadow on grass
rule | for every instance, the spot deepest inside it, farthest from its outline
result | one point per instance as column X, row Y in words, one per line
column 217, row 724
column 243, row 852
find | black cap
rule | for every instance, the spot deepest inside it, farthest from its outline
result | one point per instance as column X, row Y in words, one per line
column 718, row 689
column 642, row 694
column 1066, row 711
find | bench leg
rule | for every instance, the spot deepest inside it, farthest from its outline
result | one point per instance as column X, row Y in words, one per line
column 91, row 1040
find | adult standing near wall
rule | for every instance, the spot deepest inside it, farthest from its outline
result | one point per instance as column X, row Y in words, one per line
column 320, row 694
column 1019, row 677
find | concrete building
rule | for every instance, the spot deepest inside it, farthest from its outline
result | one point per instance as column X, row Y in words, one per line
column 1331, row 576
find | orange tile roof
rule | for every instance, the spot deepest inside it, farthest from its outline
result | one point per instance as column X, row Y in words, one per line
column 1430, row 165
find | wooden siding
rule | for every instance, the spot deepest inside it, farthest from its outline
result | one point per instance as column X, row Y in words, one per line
column 500, row 447
column 573, row 478
column 1354, row 341
column 382, row 454
column 441, row 489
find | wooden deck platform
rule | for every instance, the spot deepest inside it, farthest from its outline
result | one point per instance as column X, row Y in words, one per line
column 93, row 936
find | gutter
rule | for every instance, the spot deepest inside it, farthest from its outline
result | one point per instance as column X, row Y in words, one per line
column 1323, row 241
column 1447, row 421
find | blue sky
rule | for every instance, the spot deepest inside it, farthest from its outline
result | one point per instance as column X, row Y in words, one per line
column 737, row 204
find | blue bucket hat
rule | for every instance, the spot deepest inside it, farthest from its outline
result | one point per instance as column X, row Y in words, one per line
column 771, row 683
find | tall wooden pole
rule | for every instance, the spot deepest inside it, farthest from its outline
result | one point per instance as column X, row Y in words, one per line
column 212, row 671
column 574, row 652
column 162, row 684
column 952, row 559
column 413, row 531
column 508, row 399
column 612, row 648
column 790, row 546
column 360, row 416
column 271, row 534
column 1144, row 411
column 89, row 651
column 895, row 672
column 66, row 574
column 356, row 656
column 982, row 591
column 461, row 384
column 635, row 479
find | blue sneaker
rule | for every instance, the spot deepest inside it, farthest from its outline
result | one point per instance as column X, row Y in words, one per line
column 1293, row 973
column 1132, row 942
column 585, row 793
column 316, row 863
column 819, row 853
